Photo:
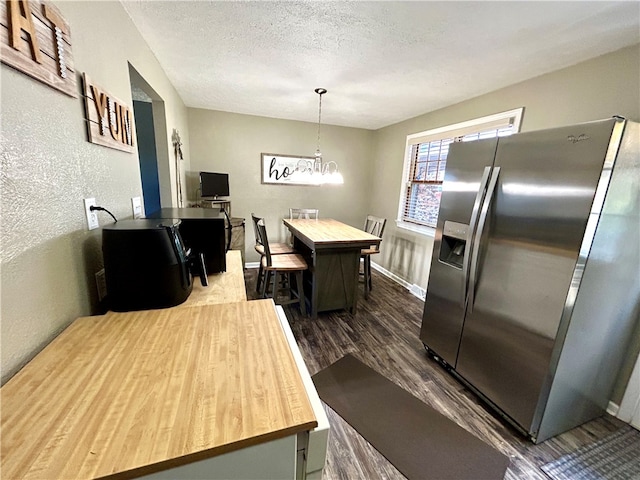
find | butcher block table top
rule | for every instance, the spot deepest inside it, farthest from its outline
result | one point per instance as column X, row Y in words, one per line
column 127, row 394
column 330, row 233
column 224, row 287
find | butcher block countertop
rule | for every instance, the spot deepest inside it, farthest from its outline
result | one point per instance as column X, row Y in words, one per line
column 126, row 394
column 224, row 287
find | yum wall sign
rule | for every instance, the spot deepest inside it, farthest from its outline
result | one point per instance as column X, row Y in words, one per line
column 109, row 120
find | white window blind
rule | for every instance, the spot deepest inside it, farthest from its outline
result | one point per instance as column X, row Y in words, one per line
column 426, row 162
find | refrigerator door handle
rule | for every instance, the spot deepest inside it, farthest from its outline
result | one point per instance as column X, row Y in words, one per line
column 473, row 275
column 472, row 226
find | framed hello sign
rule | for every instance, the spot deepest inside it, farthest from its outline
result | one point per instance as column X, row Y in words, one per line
column 287, row 169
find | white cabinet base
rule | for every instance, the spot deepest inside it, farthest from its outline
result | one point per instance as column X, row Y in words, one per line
column 317, row 439
column 273, row 460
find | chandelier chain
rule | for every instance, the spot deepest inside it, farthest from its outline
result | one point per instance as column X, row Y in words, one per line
column 318, row 171
column 319, row 120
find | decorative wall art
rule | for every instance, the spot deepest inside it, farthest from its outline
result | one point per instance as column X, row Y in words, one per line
column 109, row 120
column 287, row 169
column 36, row 40
column 177, row 152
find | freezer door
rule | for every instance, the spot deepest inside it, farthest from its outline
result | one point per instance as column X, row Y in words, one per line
column 468, row 164
column 528, row 250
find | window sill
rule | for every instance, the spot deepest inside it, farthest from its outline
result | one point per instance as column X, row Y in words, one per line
column 412, row 227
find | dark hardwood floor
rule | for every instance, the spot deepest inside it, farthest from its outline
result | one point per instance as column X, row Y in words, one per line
column 384, row 334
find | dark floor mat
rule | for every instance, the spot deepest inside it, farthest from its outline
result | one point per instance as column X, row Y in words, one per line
column 420, row 442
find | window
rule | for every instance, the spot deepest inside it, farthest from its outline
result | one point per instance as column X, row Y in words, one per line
column 426, row 161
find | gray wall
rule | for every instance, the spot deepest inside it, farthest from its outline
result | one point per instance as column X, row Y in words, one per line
column 599, row 88
column 232, row 143
column 48, row 257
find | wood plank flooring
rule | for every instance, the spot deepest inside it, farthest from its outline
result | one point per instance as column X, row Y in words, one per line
column 384, row 334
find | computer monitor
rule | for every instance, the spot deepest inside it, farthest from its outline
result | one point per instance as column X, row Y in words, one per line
column 214, row 184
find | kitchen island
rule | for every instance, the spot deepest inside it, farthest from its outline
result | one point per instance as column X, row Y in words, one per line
column 332, row 251
column 202, row 391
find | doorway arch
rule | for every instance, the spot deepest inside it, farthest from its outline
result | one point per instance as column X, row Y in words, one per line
column 152, row 143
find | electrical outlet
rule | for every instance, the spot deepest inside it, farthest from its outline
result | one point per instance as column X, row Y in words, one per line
column 101, row 283
column 136, row 206
column 92, row 217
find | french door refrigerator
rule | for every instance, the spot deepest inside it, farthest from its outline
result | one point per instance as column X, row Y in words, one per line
column 534, row 284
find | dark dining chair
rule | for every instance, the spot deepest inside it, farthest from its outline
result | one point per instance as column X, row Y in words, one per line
column 276, row 249
column 283, row 265
column 374, row 226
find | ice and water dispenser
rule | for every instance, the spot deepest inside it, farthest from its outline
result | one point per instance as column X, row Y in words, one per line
column 454, row 242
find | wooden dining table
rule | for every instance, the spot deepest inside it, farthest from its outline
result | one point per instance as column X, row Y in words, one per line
column 332, row 251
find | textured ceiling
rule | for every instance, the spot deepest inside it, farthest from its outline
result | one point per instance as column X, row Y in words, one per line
column 381, row 62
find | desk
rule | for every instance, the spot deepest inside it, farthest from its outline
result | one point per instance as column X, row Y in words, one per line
column 212, row 391
column 332, row 250
column 219, row 205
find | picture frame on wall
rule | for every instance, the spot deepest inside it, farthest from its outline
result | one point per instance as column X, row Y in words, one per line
column 278, row 169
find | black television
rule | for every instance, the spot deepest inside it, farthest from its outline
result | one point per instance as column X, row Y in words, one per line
column 214, row 184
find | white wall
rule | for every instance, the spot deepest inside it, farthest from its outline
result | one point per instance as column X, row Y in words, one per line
column 48, row 258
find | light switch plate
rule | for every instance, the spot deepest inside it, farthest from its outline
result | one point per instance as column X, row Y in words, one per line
column 101, row 283
column 92, row 217
column 136, row 206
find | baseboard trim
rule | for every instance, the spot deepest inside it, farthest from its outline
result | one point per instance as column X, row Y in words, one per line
column 413, row 288
column 418, row 291
column 613, row 408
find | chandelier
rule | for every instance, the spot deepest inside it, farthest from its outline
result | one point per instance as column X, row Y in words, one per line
column 319, row 172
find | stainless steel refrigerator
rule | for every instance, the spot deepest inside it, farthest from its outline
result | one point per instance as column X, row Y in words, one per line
column 534, row 285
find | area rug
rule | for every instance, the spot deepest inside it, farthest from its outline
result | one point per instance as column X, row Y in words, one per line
column 616, row 457
column 420, row 442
